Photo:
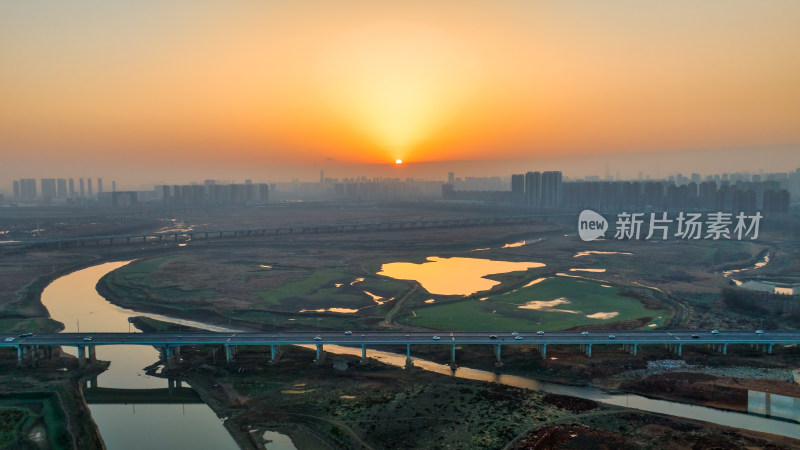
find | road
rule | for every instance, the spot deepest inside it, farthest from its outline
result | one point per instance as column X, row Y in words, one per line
column 410, row 337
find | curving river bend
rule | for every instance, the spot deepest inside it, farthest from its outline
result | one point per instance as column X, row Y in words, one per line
column 73, row 301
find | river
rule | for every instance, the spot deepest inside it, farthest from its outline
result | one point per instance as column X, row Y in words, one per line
column 73, row 301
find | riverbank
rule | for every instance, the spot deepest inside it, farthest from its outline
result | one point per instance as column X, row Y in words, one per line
column 342, row 403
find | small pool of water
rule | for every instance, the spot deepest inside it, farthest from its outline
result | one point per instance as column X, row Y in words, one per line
column 454, row 276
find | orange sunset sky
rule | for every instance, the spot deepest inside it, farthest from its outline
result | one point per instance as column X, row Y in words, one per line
column 207, row 84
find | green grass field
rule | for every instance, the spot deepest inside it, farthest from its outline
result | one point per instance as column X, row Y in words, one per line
column 503, row 312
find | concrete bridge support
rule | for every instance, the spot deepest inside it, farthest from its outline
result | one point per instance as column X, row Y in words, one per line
column 453, row 356
column 542, row 349
column 228, row 354
column 363, row 354
column 20, row 354
column 587, row 348
column 720, row 348
column 498, row 361
column 92, row 356
column 320, row 353
column 81, row 356
column 409, row 362
column 677, row 349
column 273, row 354
column 631, row 348
column 172, row 356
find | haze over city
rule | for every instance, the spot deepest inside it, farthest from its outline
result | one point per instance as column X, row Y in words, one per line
column 148, row 93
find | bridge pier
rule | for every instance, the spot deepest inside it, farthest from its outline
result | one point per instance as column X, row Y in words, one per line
column 587, row 348
column 453, row 356
column 92, row 356
column 676, row 349
column 228, row 354
column 498, row 361
column 19, row 355
column 81, row 356
column 172, row 355
column 409, row 362
column 273, row 354
column 542, row 349
column 363, row 353
column 318, row 359
column 630, row 348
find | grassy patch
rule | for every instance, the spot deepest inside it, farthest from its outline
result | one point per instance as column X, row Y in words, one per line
column 572, row 300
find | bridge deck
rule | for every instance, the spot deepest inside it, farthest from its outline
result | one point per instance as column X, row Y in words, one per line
column 402, row 338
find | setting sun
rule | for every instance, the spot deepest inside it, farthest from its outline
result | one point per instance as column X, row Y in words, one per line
column 399, row 161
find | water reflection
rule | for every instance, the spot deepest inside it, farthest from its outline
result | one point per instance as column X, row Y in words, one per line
column 773, row 405
column 278, row 441
column 73, row 301
column 454, row 276
column 597, row 252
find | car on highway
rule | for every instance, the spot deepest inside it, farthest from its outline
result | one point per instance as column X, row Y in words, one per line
column 515, row 334
column 317, row 338
column 759, row 331
column 694, row 336
column 540, row 333
column 87, row 338
column 714, row 331
column 584, row 333
column 24, row 335
column 492, row 336
column 9, row 339
column 348, row 333
column 436, row 338
column 611, row 336
column 518, row 337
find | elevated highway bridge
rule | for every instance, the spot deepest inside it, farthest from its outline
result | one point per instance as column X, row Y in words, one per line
column 31, row 347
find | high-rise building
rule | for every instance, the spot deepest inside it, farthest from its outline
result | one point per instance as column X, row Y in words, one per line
column 89, row 187
column 99, row 185
column 16, row 190
column 518, row 189
column 451, row 178
column 48, row 188
column 83, row 193
column 113, row 186
column 71, row 188
column 533, row 188
column 27, row 187
column 552, row 189
column 61, row 187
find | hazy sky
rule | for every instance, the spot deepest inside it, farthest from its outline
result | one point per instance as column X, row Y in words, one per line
column 220, row 86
